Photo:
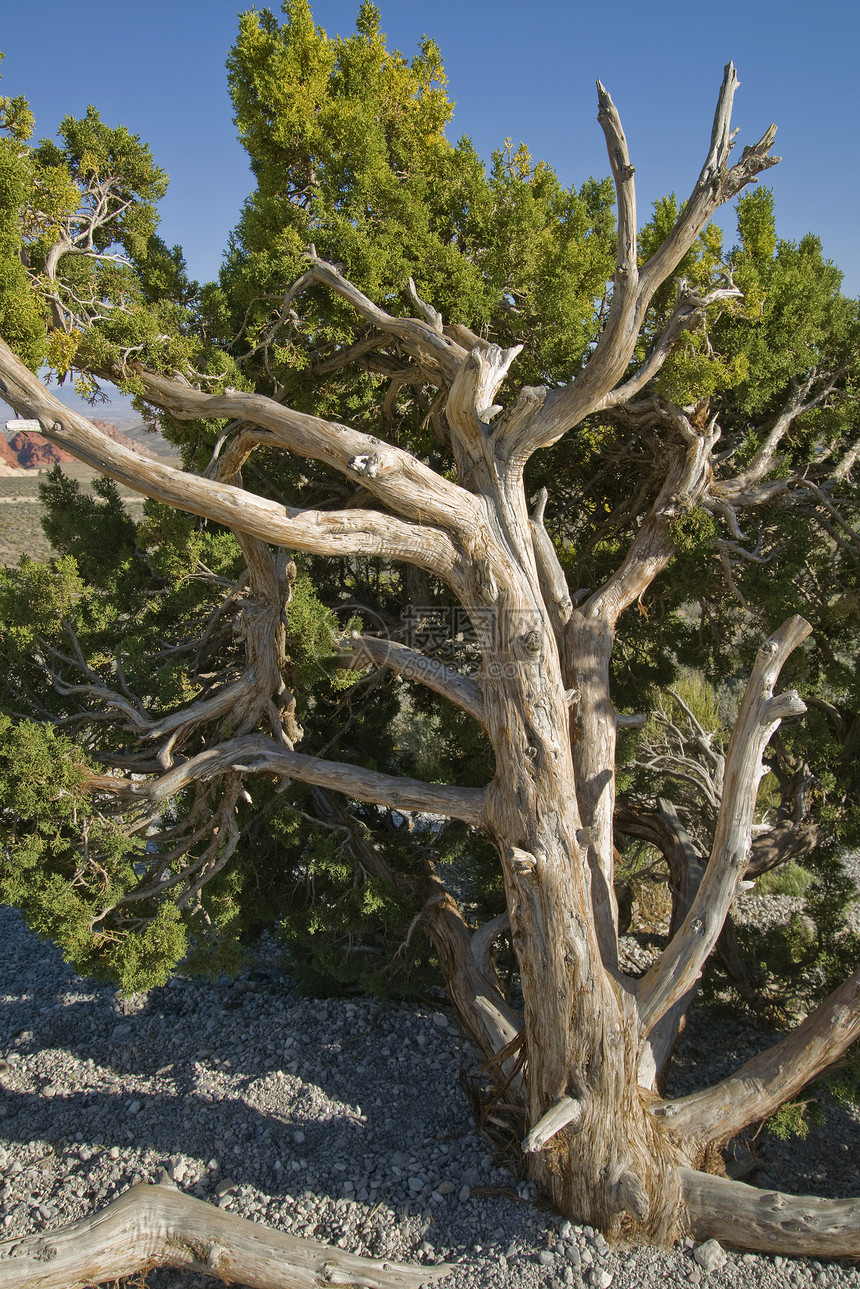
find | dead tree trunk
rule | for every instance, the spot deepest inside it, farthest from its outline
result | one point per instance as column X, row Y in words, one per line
column 599, row 1139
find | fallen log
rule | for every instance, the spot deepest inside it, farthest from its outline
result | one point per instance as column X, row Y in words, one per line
column 768, row 1221
column 153, row 1225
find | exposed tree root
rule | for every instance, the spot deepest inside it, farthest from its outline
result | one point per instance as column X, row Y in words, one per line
column 770, row 1221
column 156, row 1226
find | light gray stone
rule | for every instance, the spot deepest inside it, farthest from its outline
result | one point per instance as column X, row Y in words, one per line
column 710, row 1256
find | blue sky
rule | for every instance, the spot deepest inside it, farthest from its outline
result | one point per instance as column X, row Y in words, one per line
column 525, row 70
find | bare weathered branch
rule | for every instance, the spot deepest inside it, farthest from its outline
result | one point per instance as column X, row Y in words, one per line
column 437, row 353
column 591, row 390
column 395, row 477
column 553, row 583
column 256, row 754
column 566, row 1113
column 360, row 651
column 470, row 406
column 345, row 532
column 689, row 314
column 588, row 642
column 626, row 267
column 760, row 714
column 483, row 939
column 844, row 467
column 806, row 394
column 686, row 481
column 761, row 1085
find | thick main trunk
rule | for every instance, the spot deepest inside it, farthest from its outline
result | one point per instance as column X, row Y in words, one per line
column 593, row 1147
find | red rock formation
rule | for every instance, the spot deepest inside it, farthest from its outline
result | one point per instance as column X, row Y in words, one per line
column 34, row 452
column 7, row 456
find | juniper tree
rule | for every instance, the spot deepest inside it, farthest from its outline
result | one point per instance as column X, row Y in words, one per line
column 421, row 368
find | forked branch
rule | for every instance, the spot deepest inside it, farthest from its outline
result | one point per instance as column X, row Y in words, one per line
column 395, row 477
column 760, row 715
column 342, row 532
column 436, row 352
column 634, row 288
column 689, row 314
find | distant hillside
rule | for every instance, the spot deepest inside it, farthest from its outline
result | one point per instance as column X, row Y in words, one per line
column 139, row 435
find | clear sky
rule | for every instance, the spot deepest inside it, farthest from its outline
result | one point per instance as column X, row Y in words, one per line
column 519, row 68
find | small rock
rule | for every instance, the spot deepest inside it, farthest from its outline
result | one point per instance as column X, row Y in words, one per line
column 546, row 1258
column 710, row 1256
column 463, row 1194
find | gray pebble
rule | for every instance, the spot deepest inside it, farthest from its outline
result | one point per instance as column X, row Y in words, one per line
column 325, row 1118
column 710, row 1256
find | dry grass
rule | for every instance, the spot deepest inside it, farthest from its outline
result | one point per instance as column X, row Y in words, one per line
column 21, row 511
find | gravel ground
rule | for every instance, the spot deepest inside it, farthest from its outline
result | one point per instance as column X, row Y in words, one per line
column 342, row 1120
